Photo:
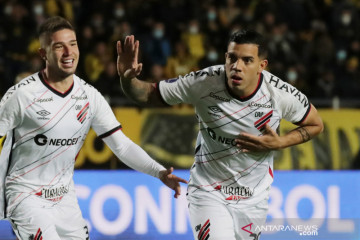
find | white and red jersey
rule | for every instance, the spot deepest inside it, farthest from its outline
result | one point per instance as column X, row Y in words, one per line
column 45, row 130
column 221, row 168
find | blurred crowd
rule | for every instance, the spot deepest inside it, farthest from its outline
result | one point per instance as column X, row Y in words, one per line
column 313, row 44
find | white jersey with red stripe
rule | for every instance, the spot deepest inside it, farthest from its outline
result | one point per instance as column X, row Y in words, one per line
column 45, row 130
column 220, row 168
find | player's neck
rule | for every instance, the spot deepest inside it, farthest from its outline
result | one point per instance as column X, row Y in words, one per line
column 59, row 84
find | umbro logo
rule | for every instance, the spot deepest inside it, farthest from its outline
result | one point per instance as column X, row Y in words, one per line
column 215, row 109
column 43, row 113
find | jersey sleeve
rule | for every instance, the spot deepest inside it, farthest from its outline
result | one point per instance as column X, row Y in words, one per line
column 104, row 122
column 177, row 90
column 10, row 112
column 296, row 107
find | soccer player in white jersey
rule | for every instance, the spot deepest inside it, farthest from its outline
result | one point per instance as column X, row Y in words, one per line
column 46, row 118
column 239, row 106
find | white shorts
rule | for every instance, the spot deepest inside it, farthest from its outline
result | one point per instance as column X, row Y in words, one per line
column 40, row 219
column 213, row 220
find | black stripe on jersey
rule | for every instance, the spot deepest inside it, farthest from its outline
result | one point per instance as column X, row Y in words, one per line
column 104, row 135
column 197, row 148
column 237, row 119
column 53, row 89
column 243, row 99
column 305, row 115
column 158, row 92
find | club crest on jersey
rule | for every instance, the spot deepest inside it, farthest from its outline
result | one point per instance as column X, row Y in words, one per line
column 260, row 124
column 81, row 116
column 204, row 230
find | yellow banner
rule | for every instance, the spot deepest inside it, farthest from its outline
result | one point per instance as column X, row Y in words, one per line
column 169, row 136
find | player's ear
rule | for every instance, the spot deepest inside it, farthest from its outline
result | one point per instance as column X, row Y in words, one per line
column 263, row 64
column 42, row 53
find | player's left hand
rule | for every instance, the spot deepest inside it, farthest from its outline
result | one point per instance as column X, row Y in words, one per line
column 270, row 140
column 171, row 180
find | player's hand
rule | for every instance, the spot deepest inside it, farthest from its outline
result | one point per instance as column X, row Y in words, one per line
column 127, row 60
column 171, row 180
column 270, row 140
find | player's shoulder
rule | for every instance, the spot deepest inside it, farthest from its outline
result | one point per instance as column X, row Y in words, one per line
column 283, row 91
column 277, row 84
column 208, row 74
column 25, row 85
column 89, row 89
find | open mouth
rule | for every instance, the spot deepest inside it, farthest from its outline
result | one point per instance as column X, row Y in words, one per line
column 68, row 62
column 236, row 79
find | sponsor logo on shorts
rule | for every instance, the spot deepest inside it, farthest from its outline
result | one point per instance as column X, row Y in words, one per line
column 235, row 193
column 53, row 194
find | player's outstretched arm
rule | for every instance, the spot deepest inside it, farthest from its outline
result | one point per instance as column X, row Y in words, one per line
column 171, row 180
column 270, row 140
column 136, row 158
column 129, row 68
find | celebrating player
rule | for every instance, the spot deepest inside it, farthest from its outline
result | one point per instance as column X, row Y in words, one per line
column 239, row 106
column 46, row 118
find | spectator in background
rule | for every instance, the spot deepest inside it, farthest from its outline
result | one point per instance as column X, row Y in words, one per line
column 346, row 24
column 96, row 61
column 314, row 28
column 349, row 79
column 181, row 62
column 108, row 83
column 281, row 46
column 18, row 28
column 213, row 31
column 194, row 39
column 211, row 58
column 157, row 48
column 157, row 73
column 326, row 87
column 62, row 8
column 228, row 13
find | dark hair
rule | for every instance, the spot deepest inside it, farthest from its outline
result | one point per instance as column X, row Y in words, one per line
column 252, row 37
column 51, row 25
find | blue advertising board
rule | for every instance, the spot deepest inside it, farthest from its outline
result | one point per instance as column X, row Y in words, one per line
column 125, row 204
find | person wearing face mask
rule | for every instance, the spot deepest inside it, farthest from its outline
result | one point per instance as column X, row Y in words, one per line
column 211, row 58
column 239, row 106
column 194, row 39
column 157, row 48
column 346, row 24
column 46, row 118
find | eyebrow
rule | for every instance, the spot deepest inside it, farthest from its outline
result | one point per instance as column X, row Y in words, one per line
column 71, row 41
